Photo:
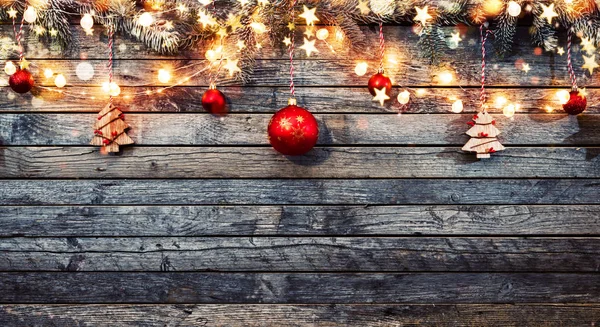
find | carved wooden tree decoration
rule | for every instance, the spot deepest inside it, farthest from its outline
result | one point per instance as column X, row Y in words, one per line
column 484, row 136
column 109, row 130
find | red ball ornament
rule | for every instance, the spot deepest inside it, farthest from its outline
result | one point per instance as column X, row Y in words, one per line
column 576, row 103
column 379, row 81
column 21, row 81
column 293, row 130
column 214, row 101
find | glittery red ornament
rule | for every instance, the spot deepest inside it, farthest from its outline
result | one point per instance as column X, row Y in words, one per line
column 214, row 102
column 293, row 130
column 21, row 81
column 379, row 81
column 576, row 103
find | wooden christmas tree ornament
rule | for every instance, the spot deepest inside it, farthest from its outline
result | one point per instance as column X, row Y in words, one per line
column 109, row 130
column 484, row 136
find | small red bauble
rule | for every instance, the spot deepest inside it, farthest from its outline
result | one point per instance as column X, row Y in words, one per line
column 293, row 130
column 379, row 81
column 21, row 81
column 214, row 102
column 576, row 103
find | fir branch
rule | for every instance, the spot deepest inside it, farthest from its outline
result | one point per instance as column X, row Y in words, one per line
column 505, row 30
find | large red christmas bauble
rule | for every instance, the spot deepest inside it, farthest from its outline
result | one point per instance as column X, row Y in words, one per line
column 576, row 103
column 214, row 102
column 293, row 131
column 21, row 81
column 379, row 81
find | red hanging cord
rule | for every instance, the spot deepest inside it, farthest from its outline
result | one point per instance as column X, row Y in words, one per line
column 291, row 50
column 484, row 37
column 569, row 62
column 381, row 47
column 19, row 34
column 111, row 33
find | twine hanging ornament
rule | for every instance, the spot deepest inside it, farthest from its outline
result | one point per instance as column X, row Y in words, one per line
column 110, row 127
column 380, row 86
column 293, row 130
column 21, row 80
column 483, row 131
column 577, row 101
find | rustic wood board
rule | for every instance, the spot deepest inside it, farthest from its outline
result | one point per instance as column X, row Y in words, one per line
column 306, row 191
column 251, row 129
column 264, row 162
column 318, row 72
column 280, row 288
column 158, row 221
column 183, row 99
column 399, row 40
column 248, row 315
column 302, row 254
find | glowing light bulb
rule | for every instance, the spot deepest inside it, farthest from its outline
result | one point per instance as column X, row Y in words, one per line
column 164, row 76
column 146, row 19
column 457, row 106
column 563, row 96
column 10, row 68
column 48, row 73
column 404, row 97
column 87, row 22
column 259, row 28
column 322, row 34
column 514, row 9
column 361, row 68
column 445, row 77
column 211, row 55
column 84, row 71
column 339, row 35
column 111, row 89
column 500, row 102
column 510, row 110
column 30, row 15
column 60, row 81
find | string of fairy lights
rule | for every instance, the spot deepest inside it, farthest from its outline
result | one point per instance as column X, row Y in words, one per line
column 220, row 56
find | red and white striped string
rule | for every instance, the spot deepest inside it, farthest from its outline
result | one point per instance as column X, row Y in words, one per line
column 19, row 34
column 572, row 75
column 381, row 47
column 212, row 78
column 484, row 37
column 111, row 33
column 291, row 50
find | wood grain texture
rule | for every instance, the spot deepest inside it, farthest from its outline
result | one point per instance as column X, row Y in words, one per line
column 301, row 254
column 457, row 315
column 317, row 191
column 270, row 99
column 280, row 288
column 251, row 129
column 322, row 72
column 73, row 221
column 239, row 162
column 326, row 68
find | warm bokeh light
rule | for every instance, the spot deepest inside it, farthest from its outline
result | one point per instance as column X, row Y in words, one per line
column 445, row 77
column 164, row 76
column 60, row 81
column 361, row 68
column 457, row 106
column 146, row 19
column 563, row 96
column 10, row 68
column 48, row 73
column 322, row 34
column 404, row 97
column 513, row 8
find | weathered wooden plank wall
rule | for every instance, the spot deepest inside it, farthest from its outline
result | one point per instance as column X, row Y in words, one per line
column 385, row 223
